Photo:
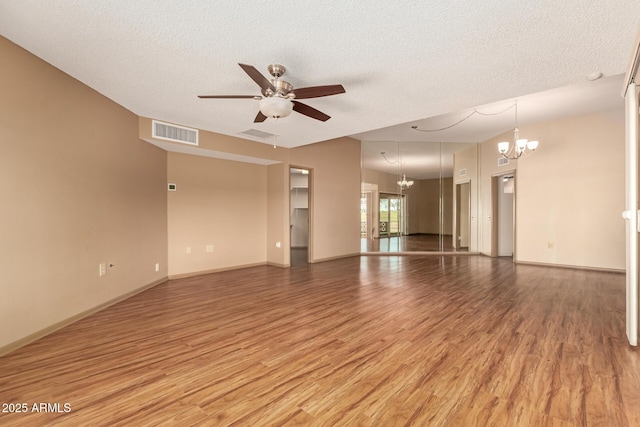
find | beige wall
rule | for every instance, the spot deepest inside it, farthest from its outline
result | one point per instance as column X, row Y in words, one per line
column 78, row 189
column 335, row 196
column 218, row 202
column 569, row 194
column 430, row 191
column 386, row 182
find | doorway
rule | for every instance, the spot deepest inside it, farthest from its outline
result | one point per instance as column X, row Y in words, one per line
column 463, row 216
column 390, row 215
column 299, row 202
column 391, row 222
column 503, row 202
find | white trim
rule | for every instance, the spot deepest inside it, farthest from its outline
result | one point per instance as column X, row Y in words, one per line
column 633, row 67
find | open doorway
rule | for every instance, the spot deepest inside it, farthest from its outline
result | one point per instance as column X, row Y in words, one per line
column 503, row 200
column 299, row 202
column 463, row 216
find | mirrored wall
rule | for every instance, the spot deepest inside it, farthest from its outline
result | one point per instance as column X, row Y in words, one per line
column 419, row 197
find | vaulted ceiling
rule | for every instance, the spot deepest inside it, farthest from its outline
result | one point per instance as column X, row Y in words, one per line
column 402, row 63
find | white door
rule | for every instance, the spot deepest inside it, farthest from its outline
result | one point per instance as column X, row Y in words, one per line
column 631, row 212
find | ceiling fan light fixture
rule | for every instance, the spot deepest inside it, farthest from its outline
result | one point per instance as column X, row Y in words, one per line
column 276, row 107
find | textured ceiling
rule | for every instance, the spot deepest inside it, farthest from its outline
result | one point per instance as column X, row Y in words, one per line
column 400, row 62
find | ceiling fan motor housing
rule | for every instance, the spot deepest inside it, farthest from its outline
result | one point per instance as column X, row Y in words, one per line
column 282, row 87
column 276, row 70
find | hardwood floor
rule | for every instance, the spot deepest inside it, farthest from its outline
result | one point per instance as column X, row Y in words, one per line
column 410, row 243
column 385, row 341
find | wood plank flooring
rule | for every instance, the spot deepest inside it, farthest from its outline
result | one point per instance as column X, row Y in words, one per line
column 410, row 243
column 384, row 341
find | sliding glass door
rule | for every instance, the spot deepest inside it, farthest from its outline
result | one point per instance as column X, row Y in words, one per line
column 390, row 214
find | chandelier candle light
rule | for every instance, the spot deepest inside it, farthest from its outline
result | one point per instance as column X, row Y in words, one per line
column 520, row 146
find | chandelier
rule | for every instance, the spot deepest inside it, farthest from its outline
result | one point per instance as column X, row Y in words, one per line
column 404, row 184
column 520, row 146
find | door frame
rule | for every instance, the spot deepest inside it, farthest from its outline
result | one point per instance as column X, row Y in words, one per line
column 494, row 211
column 456, row 213
column 310, row 209
column 631, row 213
column 388, row 196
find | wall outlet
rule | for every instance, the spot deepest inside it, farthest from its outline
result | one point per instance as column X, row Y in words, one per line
column 550, row 245
column 209, row 248
column 188, row 249
column 157, row 267
column 102, row 269
column 278, row 244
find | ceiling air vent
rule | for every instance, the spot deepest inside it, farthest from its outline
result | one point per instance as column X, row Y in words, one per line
column 503, row 161
column 257, row 133
column 174, row 133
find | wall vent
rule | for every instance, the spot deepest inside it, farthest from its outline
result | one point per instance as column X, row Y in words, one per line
column 462, row 172
column 257, row 133
column 503, row 161
column 174, row 133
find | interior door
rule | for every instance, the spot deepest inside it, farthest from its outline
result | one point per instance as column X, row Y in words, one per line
column 631, row 212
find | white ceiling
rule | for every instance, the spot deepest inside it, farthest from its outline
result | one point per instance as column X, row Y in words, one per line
column 427, row 153
column 400, row 62
column 487, row 121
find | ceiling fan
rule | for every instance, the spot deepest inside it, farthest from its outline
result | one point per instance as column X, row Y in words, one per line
column 279, row 97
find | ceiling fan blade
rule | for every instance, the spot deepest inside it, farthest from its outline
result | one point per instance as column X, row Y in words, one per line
column 231, row 96
column 309, row 111
column 318, row 91
column 260, row 118
column 258, row 77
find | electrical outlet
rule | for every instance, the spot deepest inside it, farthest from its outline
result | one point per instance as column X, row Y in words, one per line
column 209, row 248
column 157, row 267
column 188, row 249
column 278, row 244
column 102, row 269
column 550, row 245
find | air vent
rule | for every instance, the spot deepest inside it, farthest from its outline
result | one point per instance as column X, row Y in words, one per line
column 503, row 161
column 257, row 133
column 462, row 172
column 174, row 133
